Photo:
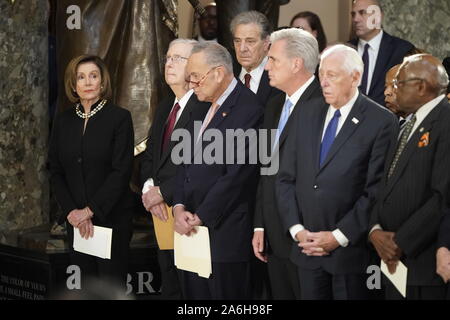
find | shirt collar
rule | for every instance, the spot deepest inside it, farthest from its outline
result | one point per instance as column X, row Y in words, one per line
column 427, row 108
column 184, row 100
column 227, row 92
column 346, row 108
column 298, row 94
column 374, row 43
column 255, row 73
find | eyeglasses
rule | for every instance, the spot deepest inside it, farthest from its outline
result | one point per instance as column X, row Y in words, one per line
column 397, row 83
column 199, row 82
column 175, row 59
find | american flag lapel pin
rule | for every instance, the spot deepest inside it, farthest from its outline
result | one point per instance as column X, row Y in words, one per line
column 224, row 114
column 355, row 121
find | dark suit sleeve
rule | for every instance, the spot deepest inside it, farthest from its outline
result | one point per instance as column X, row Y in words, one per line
column 419, row 231
column 285, row 182
column 212, row 209
column 258, row 221
column 444, row 232
column 121, row 164
column 178, row 195
column 147, row 159
column 57, row 175
column 354, row 225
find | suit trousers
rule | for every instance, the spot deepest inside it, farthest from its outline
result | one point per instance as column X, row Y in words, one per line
column 283, row 277
column 170, row 284
column 418, row 292
column 229, row 281
column 112, row 272
column 319, row 284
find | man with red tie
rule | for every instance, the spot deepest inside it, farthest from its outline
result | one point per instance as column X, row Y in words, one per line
column 179, row 110
column 251, row 31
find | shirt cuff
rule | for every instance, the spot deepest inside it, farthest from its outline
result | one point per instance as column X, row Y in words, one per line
column 375, row 227
column 296, row 229
column 340, row 237
column 258, row 229
column 149, row 183
column 177, row 205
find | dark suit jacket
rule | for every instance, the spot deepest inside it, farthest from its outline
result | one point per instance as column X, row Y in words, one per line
column 265, row 91
column 341, row 193
column 94, row 169
column 159, row 166
column 221, row 194
column 413, row 201
column 392, row 51
column 444, row 232
column 266, row 212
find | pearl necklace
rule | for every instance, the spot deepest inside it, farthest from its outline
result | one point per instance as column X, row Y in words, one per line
column 90, row 113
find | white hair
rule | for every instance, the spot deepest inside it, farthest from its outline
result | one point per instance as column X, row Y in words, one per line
column 190, row 42
column 215, row 54
column 351, row 60
column 299, row 44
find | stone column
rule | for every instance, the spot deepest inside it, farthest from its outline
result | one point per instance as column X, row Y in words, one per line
column 24, row 190
column 425, row 24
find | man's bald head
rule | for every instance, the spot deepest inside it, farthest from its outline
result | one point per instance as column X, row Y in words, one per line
column 428, row 68
column 420, row 79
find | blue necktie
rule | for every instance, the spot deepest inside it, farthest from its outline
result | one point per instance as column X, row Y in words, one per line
column 329, row 136
column 283, row 120
column 365, row 77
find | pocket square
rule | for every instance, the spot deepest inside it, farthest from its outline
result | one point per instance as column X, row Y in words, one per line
column 424, row 140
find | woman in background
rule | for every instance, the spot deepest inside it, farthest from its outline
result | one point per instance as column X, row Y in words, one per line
column 310, row 22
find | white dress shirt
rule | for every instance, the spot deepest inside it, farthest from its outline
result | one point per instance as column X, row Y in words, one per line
column 374, row 49
column 182, row 102
column 345, row 111
column 256, row 75
column 421, row 114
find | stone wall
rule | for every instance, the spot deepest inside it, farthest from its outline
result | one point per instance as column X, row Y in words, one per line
column 425, row 23
column 24, row 188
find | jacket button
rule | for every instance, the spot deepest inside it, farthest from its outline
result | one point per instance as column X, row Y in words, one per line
column 187, row 180
column 315, row 187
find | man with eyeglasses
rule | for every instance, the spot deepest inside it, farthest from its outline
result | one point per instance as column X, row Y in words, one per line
column 330, row 170
column 251, row 31
column 414, row 193
column 179, row 110
column 219, row 194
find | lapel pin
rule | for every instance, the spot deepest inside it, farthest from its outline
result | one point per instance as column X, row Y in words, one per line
column 355, row 121
column 421, row 129
column 224, row 114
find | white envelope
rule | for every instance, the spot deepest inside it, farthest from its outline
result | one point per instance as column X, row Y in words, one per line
column 192, row 253
column 398, row 278
column 99, row 245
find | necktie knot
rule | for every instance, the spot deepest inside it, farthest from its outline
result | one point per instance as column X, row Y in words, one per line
column 337, row 114
column 247, row 78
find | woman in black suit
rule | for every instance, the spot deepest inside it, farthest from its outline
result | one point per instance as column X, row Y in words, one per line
column 91, row 156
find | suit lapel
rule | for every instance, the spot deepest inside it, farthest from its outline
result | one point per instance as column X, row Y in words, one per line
column 317, row 135
column 346, row 131
column 181, row 123
column 384, row 54
column 223, row 112
column 264, row 87
column 303, row 99
column 412, row 146
column 160, row 133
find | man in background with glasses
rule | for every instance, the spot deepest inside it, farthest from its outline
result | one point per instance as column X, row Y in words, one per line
column 414, row 193
column 219, row 195
column 179, row 110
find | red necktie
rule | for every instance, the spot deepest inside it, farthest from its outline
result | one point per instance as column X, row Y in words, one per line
column 247, row 78
column 169, row 126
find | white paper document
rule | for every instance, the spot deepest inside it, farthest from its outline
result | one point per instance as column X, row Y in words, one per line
column 398, row 278
column 193, row 253
column 99, row 245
